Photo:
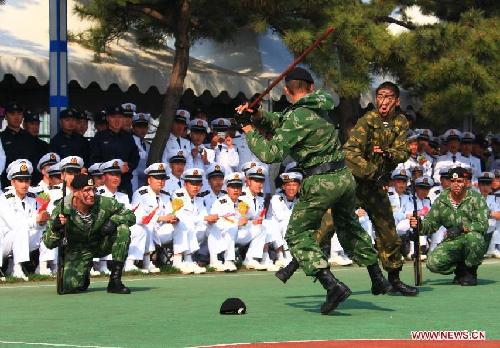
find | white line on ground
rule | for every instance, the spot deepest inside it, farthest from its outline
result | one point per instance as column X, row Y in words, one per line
column 51, row 344
column 301, row 341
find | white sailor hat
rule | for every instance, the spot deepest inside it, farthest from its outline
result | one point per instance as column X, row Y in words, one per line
column 417, row 168
column 452, row 134
column 182, row 115
column 193, row 175
column 71, row 162
column 434, row 142
column 293, row 167
column 129, row 109
column 486, row 178
column 54, row 169
column 247, row 165
column 20, row 169
column 47, row 159
column 424, row 134
column 156, row 170
column 235, row 178
column 444, row 172
column 198, row 125
column 291, row 177
column 215, row 170
column 112, row 167
column 412, row 138
column 141, row 117
column 467, row 137
column 178, row 158
column 95, row 169
column 424, row 181
column 399, row 174
column 220, row 124
column 258, row 173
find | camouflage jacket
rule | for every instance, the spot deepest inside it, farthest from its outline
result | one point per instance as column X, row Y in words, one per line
column 472, row 213
column 371, row 130
column 301, row 131
column 78, row 234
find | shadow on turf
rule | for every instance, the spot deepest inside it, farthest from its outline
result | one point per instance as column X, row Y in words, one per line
column 447, row 281
column 314, row 306
column 132, row 289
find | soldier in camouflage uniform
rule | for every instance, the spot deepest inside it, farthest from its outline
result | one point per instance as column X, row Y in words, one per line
column 95, row 227
column 304, row 132
column 464, row 214
column 377, row 143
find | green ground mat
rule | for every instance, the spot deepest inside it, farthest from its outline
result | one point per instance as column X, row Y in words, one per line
column 180, row 311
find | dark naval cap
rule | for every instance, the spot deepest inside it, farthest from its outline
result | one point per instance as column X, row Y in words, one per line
column 299, row 73
column 233, row 306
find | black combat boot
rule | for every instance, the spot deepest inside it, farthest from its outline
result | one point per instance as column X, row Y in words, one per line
column 459, row 273
column 286, row 272
column 115, row 284
column 380, row 285
column 398, row 286
column 336, row 291
column 470, row 276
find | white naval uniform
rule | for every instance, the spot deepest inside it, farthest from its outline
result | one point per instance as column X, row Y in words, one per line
column 144, row 202
column 19, row 231
column 138, row 176
column 493, row 203
column 448, row 160
column 269, row 226
column 225, row 233
column 209, row 197
column 397, row 204
column 438, row 236
column 191, row 230
column 173, row 184
column 228, row 158
column 198, row 162
column 137, row 236
column 474, row 163
column 404, row 225
column 172, row 148
column 41, row 187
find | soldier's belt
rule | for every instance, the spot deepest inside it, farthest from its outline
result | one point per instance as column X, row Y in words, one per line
column 325, row 168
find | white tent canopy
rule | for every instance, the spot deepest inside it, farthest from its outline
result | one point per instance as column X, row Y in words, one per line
column 24, row 52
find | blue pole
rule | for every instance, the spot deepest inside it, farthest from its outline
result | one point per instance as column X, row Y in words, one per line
column 58, row 62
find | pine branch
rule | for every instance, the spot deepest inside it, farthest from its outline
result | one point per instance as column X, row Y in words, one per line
column 388, row 19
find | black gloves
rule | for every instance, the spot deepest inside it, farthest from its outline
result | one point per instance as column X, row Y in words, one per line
column 454, row 232
column 109, row 228
column 57, row 226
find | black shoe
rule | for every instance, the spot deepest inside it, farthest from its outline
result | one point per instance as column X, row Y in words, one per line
column 286, row 272
column 459, row 273
column 398, row 287
column 115, row 284
column 336, row 291
column 380, row 285
column 470, row 276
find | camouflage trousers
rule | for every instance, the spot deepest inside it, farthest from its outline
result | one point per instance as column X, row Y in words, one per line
column 78, row 260
column 375, row 201
column 469, row 248
column 319, row 193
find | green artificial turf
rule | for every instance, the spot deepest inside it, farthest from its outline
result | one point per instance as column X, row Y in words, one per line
column 179, row 311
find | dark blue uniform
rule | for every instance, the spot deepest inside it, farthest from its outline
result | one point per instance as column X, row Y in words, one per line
column 108, row 145
column 19, row 145
column 70, row 145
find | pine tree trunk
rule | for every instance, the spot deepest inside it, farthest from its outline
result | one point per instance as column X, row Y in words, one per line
column 176, row 83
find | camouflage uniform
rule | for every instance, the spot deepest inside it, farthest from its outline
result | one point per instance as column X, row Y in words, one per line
column 303, row 132
column 85, row 243
column 369, row 167
column 469, row 247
